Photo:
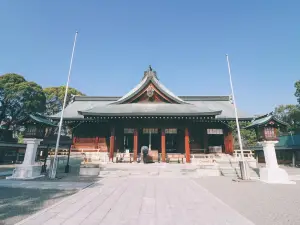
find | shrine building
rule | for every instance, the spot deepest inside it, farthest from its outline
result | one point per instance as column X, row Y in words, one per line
column 151, row 115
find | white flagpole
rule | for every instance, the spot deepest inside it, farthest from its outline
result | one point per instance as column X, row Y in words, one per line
column 237, row 121
column 52, row 173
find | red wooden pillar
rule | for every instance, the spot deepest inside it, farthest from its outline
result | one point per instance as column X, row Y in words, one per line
column 187, row 145
column 163, row 145
column 112, row 144
column 135, row 145
column 228, row 143
column 231, row 143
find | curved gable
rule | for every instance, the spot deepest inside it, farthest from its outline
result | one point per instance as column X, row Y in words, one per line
column 150, row 90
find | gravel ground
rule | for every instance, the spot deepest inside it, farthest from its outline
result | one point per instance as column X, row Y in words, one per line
column 262, row 203
column 18, row 203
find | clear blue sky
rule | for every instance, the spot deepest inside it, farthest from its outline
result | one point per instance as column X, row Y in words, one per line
column 184, row 41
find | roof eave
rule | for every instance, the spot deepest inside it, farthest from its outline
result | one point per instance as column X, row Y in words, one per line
column 250, row 126
column 153, row 114
column 233, row 119
column 280, row 121
column 34, row 118
column 183, row 97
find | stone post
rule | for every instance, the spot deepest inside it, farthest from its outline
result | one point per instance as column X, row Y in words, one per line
column 294, row 158
column 31, row 149
column 272, row 173
column 29, row 169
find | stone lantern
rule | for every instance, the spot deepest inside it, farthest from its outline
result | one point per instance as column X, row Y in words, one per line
column 35, row 130
column 267, row 128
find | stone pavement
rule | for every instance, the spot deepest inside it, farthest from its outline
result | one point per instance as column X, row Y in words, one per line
column 6, row 170
column 6, row 173
column 264, row 204
column 17, row 204
column 44, row 184
column 140, row 200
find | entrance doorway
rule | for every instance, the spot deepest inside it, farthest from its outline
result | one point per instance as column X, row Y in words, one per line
column 171, row 140
column 128, row 139
column 216, row 141
column 150, row 137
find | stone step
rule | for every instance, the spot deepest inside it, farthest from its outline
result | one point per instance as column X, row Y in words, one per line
column 230, row 170
column 229, row 165
column 230, row 174
column 237, row 173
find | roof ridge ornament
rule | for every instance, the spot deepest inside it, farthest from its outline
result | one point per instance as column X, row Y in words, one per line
column 150, row 91
column 150, row 73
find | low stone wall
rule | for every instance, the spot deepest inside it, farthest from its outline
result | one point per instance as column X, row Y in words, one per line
column 92, row 156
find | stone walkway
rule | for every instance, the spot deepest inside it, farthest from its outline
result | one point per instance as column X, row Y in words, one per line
column 44, row 184
column 17, row 204
column 263, row 204
column 140, row 201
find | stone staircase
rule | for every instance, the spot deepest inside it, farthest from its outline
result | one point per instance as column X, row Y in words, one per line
column 148, row 170
column 229, row 167
column 219, row 165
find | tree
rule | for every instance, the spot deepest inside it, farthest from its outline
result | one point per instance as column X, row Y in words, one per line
column 289, row 114
column 19, row 97
column 248, row 136
column 297, row 93
column 55, row 98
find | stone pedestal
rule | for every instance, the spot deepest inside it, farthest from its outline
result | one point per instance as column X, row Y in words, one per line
column 29, row 169
column 272, row 173
column 89, row 170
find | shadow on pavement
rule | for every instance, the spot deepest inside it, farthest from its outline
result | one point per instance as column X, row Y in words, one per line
column 18, row 203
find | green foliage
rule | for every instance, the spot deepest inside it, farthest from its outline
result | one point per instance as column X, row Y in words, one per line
column 297, row 93
column 289, row 114
column 20, row 138
column 19, row 97
column 55, row 98
column 248, row 136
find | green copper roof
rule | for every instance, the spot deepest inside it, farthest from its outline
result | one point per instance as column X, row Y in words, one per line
column 144, row 109
column 263, row 120
column 42, row 119
column 38, row 118
column 212, row 103
column 3, row 127
column 220, row 106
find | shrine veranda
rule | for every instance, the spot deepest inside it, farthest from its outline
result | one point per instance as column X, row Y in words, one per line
column 151, row 115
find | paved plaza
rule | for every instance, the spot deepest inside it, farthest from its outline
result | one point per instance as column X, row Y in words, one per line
column 142, row 200
column 149, row 194
column 263, row 204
